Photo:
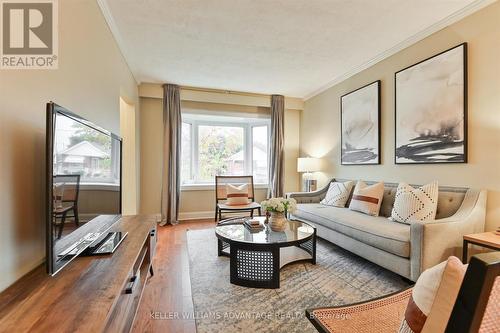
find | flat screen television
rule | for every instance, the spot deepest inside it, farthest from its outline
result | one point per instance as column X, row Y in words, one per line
column 84, row 185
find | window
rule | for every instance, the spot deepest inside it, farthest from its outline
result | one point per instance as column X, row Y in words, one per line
column 223, row 145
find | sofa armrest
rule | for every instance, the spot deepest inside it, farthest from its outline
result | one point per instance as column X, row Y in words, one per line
column 433, row 242
column 309, row 197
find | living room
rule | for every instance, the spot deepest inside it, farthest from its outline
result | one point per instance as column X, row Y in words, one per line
column 258, row 166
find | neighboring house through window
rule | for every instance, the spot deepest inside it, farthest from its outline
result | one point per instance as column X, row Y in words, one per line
column 87, row 152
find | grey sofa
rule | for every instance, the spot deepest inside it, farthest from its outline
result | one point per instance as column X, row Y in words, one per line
column 404, row 249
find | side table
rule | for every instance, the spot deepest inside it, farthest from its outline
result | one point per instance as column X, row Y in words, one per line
column 489, row 240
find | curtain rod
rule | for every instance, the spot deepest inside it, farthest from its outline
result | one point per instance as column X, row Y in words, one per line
column 241, row 93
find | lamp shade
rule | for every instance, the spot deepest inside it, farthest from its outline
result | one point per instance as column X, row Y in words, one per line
column 308, row 164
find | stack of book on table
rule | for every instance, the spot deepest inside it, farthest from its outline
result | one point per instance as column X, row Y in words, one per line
column 253, row 225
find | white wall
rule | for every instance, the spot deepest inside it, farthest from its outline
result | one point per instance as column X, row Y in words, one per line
column 320, row 123
column 92, row 76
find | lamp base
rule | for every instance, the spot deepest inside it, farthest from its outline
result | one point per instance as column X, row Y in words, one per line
column 309, row 185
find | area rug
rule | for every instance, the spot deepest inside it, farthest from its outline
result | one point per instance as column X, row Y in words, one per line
column 339, row 277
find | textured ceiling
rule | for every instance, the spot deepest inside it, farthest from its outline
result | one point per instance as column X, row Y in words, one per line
column 289, row 47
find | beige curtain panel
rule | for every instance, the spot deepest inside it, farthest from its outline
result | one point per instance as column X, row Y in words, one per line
column 276, row 148
column 172, row 125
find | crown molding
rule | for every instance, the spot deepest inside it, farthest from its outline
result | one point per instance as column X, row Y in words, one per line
column 449, row 20
column 108, row 17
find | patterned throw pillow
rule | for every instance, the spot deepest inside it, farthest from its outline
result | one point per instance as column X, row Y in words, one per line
column 434, row 286
column 237, row 195
column 415, row 205
column 338, row 194
column 367, row 199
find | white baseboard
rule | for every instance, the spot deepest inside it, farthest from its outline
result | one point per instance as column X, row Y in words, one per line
column 196, row 215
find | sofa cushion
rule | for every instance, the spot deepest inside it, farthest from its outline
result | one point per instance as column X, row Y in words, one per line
column 378, row 231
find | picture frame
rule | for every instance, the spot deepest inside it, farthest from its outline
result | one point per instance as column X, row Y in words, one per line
column 430, row 110
column 360, row 125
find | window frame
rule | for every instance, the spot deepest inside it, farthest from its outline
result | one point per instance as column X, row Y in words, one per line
column 247, row 127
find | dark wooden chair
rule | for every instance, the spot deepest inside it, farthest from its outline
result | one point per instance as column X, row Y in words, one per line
column 475, row 310
column 478, row 302
column 221, row 207
column 69, row 200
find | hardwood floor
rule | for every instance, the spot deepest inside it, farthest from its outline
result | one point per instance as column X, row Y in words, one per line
column 168, row 292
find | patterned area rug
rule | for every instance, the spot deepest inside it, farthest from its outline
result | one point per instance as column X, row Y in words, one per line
column 339, row 277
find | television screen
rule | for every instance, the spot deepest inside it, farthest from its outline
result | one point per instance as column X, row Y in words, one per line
column 84, row 184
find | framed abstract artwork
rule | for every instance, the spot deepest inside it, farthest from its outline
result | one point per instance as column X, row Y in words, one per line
column 360, row 125
column 431, row 109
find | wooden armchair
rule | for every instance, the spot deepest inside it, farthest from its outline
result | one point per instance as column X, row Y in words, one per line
column 475, row 310
column 221, row 207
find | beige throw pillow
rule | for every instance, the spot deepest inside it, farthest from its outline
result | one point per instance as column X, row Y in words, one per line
column 432, row 298
column 415, row 205
column 367, row 199
column 446, row 296
column 237, row 195
column 338, row 194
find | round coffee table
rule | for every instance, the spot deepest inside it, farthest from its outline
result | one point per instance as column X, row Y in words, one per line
column 257, row 256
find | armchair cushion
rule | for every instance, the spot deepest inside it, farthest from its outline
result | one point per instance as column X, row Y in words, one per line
column 248, row 206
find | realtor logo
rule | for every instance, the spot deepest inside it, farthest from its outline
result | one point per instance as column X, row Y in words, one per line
column 29, row 34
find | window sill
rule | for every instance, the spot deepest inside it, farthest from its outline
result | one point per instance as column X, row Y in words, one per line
column 99, row 187
column 211, row 187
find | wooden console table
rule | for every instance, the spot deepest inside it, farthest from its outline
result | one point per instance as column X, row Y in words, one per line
column 91, row 294
column 488, row 240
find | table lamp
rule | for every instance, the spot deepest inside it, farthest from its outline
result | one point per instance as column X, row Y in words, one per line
column 308, row 165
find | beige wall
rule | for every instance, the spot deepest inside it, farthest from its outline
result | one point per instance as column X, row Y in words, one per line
column 92, row 76
column 151, row 154
column 320, row 128
column 92, row 202
column 196, row 203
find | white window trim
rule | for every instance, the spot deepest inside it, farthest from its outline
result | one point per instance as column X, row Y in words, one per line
column 199, row 185
column 100, row 187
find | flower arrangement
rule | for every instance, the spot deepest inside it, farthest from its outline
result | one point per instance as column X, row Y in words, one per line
column 279, row 205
